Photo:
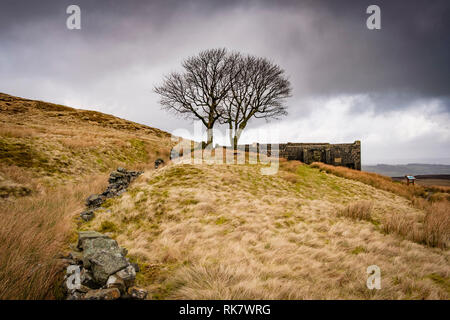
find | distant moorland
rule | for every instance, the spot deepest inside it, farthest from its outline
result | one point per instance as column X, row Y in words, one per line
column 410, row 169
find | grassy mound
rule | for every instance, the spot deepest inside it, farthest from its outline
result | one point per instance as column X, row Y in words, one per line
column 228, row 232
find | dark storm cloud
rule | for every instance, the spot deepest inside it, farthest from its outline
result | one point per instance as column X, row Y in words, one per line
column 125, row 47
column 339, row 55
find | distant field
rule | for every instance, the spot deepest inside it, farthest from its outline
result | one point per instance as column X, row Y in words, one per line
column 408, row 169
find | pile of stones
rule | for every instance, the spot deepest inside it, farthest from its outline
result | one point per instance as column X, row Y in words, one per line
column 119, row 181
column 99, row 270
column 159, row 162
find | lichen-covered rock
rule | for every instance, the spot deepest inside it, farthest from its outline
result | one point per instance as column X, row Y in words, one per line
column 128, row 275
column 87, row 215
column 86, row 235
column 94, row 201
column 105, row 263
column 103, row 294
column 116, row 282
column 76, row 256
column 93, row 245
column 75, row 296
column 137, row 293
column 103, row 256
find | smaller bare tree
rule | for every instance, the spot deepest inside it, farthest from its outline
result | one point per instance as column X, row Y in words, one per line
column 259, row 89
column 199, row 91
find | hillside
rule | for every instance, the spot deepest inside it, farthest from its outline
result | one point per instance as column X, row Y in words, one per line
column 208, row 231
column 51, row 158
column 57, row 144
column 228, row 232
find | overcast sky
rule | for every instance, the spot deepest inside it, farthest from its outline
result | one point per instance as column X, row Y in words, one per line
column 389, row 88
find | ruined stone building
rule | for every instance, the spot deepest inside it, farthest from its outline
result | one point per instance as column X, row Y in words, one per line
column 341, row 154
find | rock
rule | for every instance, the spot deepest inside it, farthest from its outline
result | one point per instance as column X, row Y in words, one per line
column 87, row 279
column 136, row 267
column 83, row 289
column 105, row 263
column 137, row 293
column 128, row 275
column 116, row 282
column 93, row 245
column 85, row 235
column 76, row 256
column 87, row 215
column 75, row 296
column 102, row 255
column 120, row 169
column 103, row 294
column 118, row 176
column 158, row 162
column 64, row 263
column 94, row 201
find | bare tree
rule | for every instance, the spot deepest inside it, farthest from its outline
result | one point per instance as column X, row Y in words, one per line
column 199, row 91
column 258, row 89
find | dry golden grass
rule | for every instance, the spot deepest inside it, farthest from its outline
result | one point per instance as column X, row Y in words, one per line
column 62, row 155
column 360, row 210
column 227, row 232
column 209, row 231
column 58, row 144
column 33, row 231
column 436, row 225
column 13, row 131
column 432, row 228
column 373, row 179
column 79, row 143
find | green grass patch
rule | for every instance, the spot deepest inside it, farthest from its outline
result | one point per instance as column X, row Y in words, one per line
column 440, row 280
column 359, row 250
column 108, row 226
column 221, row 220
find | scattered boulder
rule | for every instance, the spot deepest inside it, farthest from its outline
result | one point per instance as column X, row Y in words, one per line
column 137, row 293
column 128, row 275
column 103, row 294
column 94, row 201
column 158, row 162
column 76, row 256
column 75, row 296
column 105, row 263
column 116, row 282
column 105, row 257
column 87, row 215
column 87, row 235
column 100, row 270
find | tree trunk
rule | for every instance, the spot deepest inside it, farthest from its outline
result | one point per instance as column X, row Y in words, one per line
column 230, row 134
column 209, row 138
column 235, row 142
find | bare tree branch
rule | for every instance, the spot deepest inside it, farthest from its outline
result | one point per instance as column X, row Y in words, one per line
column 259, row 89
column 199, row 91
